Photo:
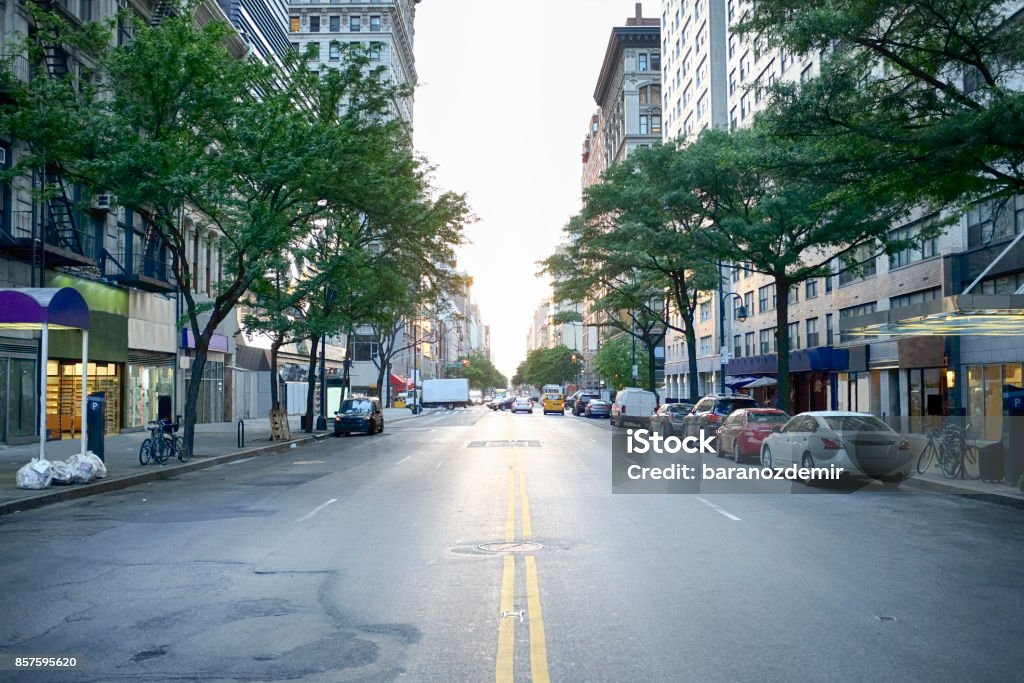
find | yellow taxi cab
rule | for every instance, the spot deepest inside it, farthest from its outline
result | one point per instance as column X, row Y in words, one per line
column 553, row 403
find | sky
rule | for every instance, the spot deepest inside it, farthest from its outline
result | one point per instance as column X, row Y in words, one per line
column 505, row 95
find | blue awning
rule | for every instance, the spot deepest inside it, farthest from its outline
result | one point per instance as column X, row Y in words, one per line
column 30, row 308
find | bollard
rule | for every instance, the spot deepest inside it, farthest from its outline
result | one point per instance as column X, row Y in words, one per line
column 241, row 433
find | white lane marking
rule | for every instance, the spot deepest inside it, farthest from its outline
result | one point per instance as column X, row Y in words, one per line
column 719, row 510
column 403, row 460
column 318, row 509
column 239, row 462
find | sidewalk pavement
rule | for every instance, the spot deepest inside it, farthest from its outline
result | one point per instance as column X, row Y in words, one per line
column 992, row 492
column 214, row 444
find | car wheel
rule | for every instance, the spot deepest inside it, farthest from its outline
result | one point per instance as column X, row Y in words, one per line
column 380, row 429
column 371, row 429
column 736, row 451
column 766, row 457
column 807, row 462
column 893, row 482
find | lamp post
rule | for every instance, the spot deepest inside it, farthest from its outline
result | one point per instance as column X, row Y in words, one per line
column 741, row 315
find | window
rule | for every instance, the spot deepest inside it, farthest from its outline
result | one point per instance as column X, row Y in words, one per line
column 355, row 23
column 334, row 52
column 702, row 106
column 868, row 268
column 705, row 346
column 732, row 81
column 794, row 294
column 805, row 75
column 811, row 289
column 655, row 61
column 828, row 329
column 737, row 346
column 334, row 22
column 642, row 62
column 994, row 220
column 922, row 296
column 314, row 49
column 645, row 126
column 748, row 302
column 828, row 284
column 793, row 332
column 650, row 94
column 705, row 311
column 293, row 24
column 314, row 24
column 766, row 299
column 375, row 24
column 852, row 312
column 748, row 344
column 364, row 348
column 767, row 340
column 375, row 51
column 926, row 249
column 811, row 327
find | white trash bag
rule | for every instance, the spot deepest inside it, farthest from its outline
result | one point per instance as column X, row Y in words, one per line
column 98, row 464
column 82, row 469
column 62, row 474
column 35, row 475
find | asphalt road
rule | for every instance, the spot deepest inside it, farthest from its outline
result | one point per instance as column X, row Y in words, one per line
column 358, row 559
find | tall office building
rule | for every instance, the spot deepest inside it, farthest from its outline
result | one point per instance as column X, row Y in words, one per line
column 263, row 24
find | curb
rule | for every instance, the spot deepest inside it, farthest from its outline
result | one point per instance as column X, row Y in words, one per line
column 927, row 486
column 62, row 493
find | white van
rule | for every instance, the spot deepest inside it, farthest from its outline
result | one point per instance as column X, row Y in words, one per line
column 633, row 406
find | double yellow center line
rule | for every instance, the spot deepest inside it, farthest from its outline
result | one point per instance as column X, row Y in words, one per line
column 504, row 668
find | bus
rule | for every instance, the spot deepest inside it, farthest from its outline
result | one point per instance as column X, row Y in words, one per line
column 553, row 400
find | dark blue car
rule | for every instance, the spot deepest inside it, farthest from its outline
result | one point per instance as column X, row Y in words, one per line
column 359, row 415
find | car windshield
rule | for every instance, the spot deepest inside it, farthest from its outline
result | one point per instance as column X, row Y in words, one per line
column 680, row 408
column 553, row 397
column 857, row 423
column 356, row 406
column 726, row 406
column 767, row 418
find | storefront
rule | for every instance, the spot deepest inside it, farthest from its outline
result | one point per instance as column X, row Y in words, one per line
column 213, row 404
column 18, row 389
column 152, row 342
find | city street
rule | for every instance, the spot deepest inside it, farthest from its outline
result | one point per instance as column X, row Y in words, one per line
column 359, row 559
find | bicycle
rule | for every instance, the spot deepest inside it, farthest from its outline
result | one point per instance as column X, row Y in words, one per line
column 163, row 443
column 947, row 446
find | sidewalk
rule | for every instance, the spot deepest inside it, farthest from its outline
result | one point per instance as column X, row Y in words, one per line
column 214, row 444
column 992, row 492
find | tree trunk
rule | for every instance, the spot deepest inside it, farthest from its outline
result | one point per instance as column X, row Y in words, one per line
column 782, row 340
column 652, row 372
column 382, row 378
column 691, row 358
column 311, row 382
column 192, row 395
column 275, row 399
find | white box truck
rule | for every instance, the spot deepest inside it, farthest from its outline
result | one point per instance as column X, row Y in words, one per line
column 445, row 393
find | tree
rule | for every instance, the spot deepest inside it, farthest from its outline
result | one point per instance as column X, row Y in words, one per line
column 638, row 219
column 480, row 372
column 255, row 153
column 923, row 94
column 614, row 364
column 781, row 223
column 548, row 366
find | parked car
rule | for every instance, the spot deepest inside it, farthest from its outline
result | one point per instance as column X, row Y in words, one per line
column 503, row 403
column 570, row 400
column 359, row 415
column 668, row 420
column 741, row 433
column 597, row 407
column 633, row 406
column 522, row 404
column 711, row 410
column 860, row 443
column 580, row 404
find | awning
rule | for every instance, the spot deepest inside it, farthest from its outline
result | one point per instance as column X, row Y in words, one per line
column 763, row 382
column 399, row 382
column 29, row 308
column 45, row 309
column 739, row 382
column 968, row 314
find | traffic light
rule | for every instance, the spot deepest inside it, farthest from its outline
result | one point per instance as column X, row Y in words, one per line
column 574, row 358
column 465, row 362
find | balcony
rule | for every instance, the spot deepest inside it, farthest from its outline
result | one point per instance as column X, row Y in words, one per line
column 51, row 241
column 152, row 274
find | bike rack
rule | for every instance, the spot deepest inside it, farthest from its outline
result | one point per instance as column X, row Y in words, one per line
column 241, row 433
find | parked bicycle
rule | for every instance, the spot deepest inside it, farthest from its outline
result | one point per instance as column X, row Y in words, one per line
column 947, row 447
column 163, row 443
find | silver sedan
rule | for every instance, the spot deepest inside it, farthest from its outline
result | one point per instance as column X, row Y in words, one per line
column 860, row 443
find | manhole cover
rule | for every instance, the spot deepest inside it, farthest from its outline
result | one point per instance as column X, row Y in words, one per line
column 513, row 547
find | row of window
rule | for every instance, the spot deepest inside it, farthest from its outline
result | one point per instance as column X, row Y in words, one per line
column 334, row 50
column 764, row 341
column 355, row 24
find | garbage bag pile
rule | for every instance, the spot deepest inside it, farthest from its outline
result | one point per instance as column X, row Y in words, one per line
column 78, row 469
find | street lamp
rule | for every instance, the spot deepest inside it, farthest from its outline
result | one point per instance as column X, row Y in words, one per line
column 741, row 315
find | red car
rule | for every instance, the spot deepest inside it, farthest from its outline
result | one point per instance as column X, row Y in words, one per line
column 741, row 433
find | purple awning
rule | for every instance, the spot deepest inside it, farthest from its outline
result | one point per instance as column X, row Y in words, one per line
column 29, row 308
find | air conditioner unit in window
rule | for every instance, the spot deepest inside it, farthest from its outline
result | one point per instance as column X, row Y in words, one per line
column 103, row 202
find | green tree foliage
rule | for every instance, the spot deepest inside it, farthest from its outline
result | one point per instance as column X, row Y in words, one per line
column 922, row 94
column 547, row 366
column 481, row 373
column 614, row 364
